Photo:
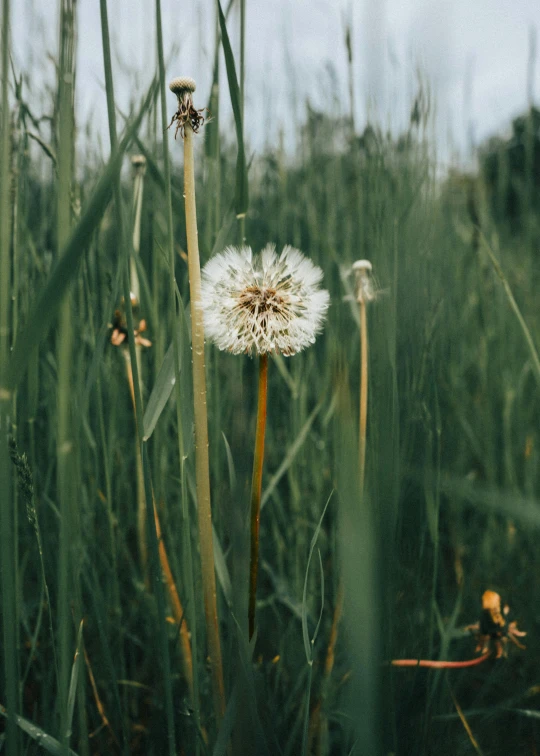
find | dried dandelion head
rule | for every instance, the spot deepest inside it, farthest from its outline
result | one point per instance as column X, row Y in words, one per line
column 363, row 283
column 493, row 631
column 119, row 330
column 183, row 87
column 262, row 304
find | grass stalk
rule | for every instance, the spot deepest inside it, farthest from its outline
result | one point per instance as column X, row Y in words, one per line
column 363, row 395
column 66, row 446
column 202, row 471
column 10, row 669
column 136, row 294
column 256, row 488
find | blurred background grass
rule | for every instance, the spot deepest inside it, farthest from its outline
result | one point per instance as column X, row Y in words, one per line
column 452, row 442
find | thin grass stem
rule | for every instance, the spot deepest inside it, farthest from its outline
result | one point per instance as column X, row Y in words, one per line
column 10, row 669
column 363, row 395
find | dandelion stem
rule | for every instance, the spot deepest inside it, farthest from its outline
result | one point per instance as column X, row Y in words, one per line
column 204, row 511
column 363, row 394
column 256, row 487
column 441, row 664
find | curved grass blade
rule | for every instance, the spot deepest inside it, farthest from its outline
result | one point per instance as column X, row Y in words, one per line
column 241, row 195
column 230, row 463
column 160, row 393
column 307, row 642
column 517, row 312
column 221, row 569
column 47, row 742
column 290, row 455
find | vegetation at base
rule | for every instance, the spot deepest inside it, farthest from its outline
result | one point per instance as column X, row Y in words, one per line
column 452, row 489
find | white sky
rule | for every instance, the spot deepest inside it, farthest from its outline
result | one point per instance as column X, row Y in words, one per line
column 473, row 52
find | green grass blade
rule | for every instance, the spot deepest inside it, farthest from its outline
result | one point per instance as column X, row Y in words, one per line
column 230, row 464
column 47, row 742
column 7, row 519
column 292, row 451
column 517, row 312
column 242, row 194
column 160, row 394
column 221, row 569
column 74, row 681
column 307, row 642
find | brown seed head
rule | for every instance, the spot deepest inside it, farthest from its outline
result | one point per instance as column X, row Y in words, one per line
column 186, row 115
column 182, row 84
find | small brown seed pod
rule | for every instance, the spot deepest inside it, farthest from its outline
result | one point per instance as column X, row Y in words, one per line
column 182, row 84
column 186, row 115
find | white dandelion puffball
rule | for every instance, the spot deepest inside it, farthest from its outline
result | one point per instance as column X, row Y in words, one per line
column 262, row 303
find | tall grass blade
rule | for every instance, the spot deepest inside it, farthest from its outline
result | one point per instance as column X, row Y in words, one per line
column 7, row 526
column 241, row 193
column 74, row 681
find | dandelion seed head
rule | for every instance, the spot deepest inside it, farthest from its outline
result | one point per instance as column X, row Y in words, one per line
column 265, row 303
column 364, row 289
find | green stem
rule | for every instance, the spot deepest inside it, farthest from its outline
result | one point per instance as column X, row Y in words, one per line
column 10, row 671
column 202, row 471
column 256, row 488
column 363, row 395
column 66, row 437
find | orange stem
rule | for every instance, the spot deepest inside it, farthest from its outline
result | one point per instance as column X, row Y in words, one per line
column 256, row 488
column 178, row 610
column 440, row 664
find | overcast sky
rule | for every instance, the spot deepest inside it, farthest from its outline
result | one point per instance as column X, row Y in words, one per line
column 474, row 53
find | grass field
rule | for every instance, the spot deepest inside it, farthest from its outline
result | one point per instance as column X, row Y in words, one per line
column 108, row 644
